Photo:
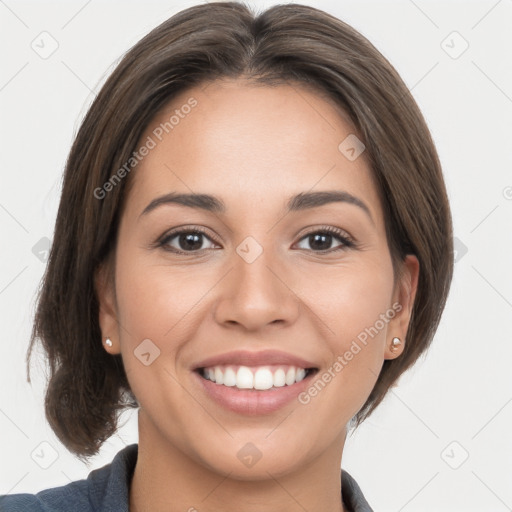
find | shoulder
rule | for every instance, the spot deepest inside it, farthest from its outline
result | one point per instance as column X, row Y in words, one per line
column 105, row 488
column 72, row 496
column 20, row 503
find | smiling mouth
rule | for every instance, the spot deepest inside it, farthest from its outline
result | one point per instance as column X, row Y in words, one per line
column 258, row 378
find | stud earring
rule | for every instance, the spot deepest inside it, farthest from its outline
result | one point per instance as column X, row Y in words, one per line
column 395, row 343
column 108, row 342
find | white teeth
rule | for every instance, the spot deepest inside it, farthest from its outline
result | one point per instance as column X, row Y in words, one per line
column 290, row 376
column 244, row 378
column 219, row 376
column 229, row 377
column 279, row 378
column 261, row 378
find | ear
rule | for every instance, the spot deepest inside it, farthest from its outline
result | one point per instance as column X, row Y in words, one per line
column 105, row 291
column 404, row 295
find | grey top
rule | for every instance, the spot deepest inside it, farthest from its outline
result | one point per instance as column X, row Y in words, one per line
column 106, row 490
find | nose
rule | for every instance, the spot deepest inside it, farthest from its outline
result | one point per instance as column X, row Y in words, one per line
column 256, row 295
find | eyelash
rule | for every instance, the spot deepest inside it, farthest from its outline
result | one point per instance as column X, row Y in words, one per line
column 347, row 242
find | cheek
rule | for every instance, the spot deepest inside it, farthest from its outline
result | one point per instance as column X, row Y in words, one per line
column 349, row 300
column 157, row 300
column 158, row 303
column 354, row 308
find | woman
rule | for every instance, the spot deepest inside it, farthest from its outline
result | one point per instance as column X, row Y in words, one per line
column 253, row 243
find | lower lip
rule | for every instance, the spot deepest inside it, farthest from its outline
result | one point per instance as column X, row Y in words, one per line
column 251, row 401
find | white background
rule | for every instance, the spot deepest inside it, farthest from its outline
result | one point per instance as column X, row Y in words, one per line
column 462, row 390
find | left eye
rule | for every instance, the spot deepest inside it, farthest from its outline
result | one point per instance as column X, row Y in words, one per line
column 322, row 240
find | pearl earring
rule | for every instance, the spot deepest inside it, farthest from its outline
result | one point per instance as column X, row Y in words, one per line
column 108, row 342
column 395, row 343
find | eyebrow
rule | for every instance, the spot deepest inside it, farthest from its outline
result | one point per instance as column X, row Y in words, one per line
column 299, row 202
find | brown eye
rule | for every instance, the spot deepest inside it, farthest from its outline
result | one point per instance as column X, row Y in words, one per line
column 321, row 240
column 185, row 241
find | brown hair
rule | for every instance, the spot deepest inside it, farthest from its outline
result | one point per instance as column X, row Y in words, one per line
column 87, row 387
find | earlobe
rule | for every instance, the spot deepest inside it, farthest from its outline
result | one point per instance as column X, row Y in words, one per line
column 107, row 310
column 405, row 295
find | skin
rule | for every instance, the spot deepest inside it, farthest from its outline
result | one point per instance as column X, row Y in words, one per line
column 253, row 147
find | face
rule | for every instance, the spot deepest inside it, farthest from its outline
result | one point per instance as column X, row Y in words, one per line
column 265, row 284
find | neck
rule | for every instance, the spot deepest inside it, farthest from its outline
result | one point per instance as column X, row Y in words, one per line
column 167, row 479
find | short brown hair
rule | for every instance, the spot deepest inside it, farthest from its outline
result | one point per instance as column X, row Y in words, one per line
column 288, row 43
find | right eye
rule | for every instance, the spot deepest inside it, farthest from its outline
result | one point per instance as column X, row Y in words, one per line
column 187, row 240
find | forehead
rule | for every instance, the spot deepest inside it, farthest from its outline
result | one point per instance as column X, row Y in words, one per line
column 250, row 145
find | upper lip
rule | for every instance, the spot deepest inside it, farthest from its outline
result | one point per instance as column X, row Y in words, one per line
column 260, row 358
